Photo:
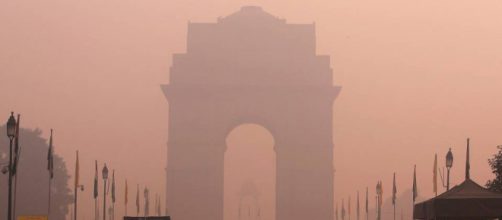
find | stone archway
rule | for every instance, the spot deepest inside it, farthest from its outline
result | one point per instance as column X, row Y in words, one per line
column 249, row 174
column 250, row 67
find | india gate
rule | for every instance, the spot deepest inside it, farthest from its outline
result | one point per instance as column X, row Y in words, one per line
column 250, row 67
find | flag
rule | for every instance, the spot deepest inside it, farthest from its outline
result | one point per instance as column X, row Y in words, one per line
column 50, row 158
column 435, row 175
column 394, row 190
column 467, row 163
column 380, row 193
column 17, row 150
column 357, row 206
column 125, row 194
column 415, row 191
column 96, row 180
column 77, row 172
column 137, row 200
column 113, row 186
column 366, row 206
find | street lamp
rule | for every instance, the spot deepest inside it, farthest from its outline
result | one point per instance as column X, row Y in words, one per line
column 105, row 177
column 449, row 164
column 11, row 133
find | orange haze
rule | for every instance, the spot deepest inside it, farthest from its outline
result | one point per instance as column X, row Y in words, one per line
column 418, row 77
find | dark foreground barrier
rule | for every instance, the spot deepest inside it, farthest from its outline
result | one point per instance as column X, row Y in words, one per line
column 148, row 218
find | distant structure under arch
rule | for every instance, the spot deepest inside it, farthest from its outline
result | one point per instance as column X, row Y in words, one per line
column 250, row 67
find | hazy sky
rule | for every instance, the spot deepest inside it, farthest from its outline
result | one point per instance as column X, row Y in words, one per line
column 418, row 77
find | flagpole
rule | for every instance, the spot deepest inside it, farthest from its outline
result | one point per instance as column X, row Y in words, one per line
column 96, row 191
column 394, row 192
column 366, row 205
column 435, row 178
column 394, row 211
column 358, row 208
column 50, row 167
column 95, row 209
column 97, row 212
column 113, row 195
column 376, row 205
column 15, row 195
column 126, row 199
column 49, row 202
column 137, row 200
column 76, row 188
column 15, row 187
column 415, row 191
column 467, row 163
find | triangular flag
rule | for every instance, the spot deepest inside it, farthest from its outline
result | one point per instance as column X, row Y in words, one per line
column 96, row 180
column 394, row 190
column 435, row 176
column 467, row 163
column 17, row 150
column 113, row 186
column 137, row 200
column 380, row 193
column 415, row 191
column 366, row 205
column 50, row 158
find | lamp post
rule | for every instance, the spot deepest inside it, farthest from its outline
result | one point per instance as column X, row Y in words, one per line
column 449, row 164
column 105, row 177
column 11, row 133
column 77, row 186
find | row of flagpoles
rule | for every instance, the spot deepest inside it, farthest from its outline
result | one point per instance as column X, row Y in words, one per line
column 378, row 200
column 77, row 185
column 146, row 194
column 50, row 168
column 379, row 192
column 13, row 171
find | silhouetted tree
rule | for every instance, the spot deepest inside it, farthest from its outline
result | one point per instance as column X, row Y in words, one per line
column 496, row 166
column 33, row 177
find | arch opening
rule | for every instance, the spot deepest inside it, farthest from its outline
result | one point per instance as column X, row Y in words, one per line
column 249, row 174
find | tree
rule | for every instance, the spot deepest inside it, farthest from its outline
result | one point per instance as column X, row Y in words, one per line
column 33, row 178
column 496, row 165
